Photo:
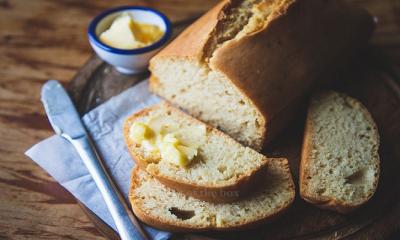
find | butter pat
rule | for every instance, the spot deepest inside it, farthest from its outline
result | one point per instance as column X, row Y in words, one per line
column 125, row 33
column 170, row 138
column 189, row 152
column 140, row 132
column 166, row 141
column 171, row 153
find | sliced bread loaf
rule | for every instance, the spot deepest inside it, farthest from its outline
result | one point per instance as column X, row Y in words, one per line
column 164, row 208
column 230, row 68
column 222, row 170
column 340, row 163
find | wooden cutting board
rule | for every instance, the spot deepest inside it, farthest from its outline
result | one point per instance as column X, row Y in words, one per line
column 373, row 79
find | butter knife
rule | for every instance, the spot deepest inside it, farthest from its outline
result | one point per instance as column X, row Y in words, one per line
column 67, row 123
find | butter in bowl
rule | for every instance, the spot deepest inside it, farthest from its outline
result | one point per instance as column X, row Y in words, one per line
column 127, row 37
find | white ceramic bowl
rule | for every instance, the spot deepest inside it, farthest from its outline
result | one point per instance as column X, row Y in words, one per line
column 128, row 61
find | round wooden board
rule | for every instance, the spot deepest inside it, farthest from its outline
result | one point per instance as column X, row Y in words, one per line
column 372, row 79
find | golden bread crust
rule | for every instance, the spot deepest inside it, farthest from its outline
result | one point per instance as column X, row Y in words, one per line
column 278, row 64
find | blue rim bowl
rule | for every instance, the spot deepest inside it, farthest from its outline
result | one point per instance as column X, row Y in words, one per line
column 95, row 39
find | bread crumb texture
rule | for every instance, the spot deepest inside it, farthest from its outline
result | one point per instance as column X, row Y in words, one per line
column 220, row 160
column 207, row 93
column 342, row 161
column 162, row 206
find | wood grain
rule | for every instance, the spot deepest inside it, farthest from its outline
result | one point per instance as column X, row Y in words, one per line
column 46, row 39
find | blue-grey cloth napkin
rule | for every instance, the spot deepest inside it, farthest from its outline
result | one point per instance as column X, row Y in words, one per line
column 59, row 158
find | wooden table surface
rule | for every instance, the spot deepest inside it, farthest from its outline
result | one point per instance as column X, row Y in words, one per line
column 46, row 39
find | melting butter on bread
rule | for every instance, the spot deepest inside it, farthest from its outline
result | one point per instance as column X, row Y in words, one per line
column 221, row 169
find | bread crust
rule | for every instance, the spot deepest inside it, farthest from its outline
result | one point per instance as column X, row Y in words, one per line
column 210, row 193
column 191, row 42
column 257, row 64
column 178, row 227
column 329, row 202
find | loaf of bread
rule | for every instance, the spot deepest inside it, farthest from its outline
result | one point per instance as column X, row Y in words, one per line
column 223, row 169
column 340, row 163
column 245, row 64
column 164, row 208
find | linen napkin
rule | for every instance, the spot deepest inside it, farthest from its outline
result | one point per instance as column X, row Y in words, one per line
column 58, row 157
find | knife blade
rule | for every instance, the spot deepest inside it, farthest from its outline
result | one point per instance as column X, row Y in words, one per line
column 67, row 123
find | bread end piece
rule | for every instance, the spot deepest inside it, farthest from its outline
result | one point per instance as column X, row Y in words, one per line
column 340, row 165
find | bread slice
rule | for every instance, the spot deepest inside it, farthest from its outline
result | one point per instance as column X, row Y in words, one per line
column 223, row 170
column 339, row 167
column 246, row 63
column 164, row 208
